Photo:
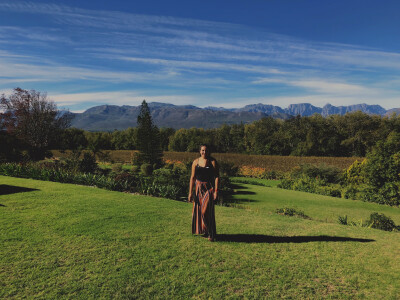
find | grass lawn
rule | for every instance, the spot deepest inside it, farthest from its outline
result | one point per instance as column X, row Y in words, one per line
column 62, row 240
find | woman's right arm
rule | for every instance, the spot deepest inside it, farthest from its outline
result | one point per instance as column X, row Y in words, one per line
column 191, row 184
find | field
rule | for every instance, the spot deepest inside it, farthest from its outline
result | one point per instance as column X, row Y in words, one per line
column 267, row 162
column 69, row 241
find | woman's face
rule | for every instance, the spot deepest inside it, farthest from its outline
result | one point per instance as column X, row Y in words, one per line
column 204, row 152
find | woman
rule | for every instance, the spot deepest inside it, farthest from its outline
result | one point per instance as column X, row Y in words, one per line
column 206, row 176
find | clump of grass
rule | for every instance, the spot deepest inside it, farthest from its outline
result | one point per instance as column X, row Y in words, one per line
column 291, row 212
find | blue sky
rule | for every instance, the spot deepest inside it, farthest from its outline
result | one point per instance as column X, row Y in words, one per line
column 219, row 53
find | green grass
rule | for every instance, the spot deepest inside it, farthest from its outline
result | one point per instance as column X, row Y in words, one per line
column 69, row 241
column 256, row 181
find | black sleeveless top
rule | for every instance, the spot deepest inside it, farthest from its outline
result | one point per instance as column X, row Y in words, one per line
column 205, row 174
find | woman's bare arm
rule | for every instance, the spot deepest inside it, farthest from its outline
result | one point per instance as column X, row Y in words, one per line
column 216, row 174
column 191, row 184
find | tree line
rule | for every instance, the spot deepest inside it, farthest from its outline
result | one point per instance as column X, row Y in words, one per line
column 31, row 122
column 353, row 134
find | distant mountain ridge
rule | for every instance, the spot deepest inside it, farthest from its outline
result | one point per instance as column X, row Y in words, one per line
column 111, row 117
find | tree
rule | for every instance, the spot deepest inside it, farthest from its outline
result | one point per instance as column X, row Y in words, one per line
column 148, row 135
column 32, row 119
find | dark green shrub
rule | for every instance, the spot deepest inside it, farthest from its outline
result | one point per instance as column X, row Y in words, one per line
column 324, row 172
column 88, row 163
column 165, row 183
column 127, row 182
column 329, row 190
column 320, row 179
column 351, row 191
column 101, row 171
column 382, row 222
column 146, row 169
column 228, row 168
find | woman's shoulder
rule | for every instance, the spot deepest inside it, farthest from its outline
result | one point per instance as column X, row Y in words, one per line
column 195, row 162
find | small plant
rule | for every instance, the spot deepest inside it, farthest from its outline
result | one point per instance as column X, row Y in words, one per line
column 343, row 220
column 146, row 169
column 287, row 211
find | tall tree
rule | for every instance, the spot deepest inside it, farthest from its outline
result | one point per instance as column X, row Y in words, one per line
column 148, row 135
column 33, row 119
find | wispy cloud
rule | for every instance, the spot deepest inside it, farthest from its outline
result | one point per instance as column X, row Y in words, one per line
column 192, row 57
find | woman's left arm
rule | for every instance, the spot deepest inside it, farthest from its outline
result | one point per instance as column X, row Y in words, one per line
column 216, row 174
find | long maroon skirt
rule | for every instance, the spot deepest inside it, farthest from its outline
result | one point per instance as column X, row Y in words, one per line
column 203, row 213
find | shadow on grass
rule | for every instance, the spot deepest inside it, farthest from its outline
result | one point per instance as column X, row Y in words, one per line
column 11, row 189
column 260, row 238
column 244, row 193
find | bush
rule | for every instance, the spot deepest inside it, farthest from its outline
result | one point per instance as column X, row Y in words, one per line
column 351, row 191
column 146, row 169
column 274, row 175
column 382, row 222
column 355, row 174
column 320, row 179
column 228, row 168
column 324, row 172
column 88, row 163
column 164, row 182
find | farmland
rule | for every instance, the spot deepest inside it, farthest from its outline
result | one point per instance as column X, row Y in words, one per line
column 267, row 162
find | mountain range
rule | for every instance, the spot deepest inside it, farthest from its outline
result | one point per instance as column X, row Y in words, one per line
column 111, row 117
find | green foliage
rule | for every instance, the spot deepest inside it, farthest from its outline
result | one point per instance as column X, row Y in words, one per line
column 376, row 220
column 146, row 169
column 148, row 139
column 322, row 172
column 354, row 191
column 382, row 222
column 11, row 147
column 88, row 163
column 355, row 174
column 376, row 179
column 353, row 134
column 320, row 179
column 343, row 220
column 73, row 139
column 291, row 212
column 228, row 168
